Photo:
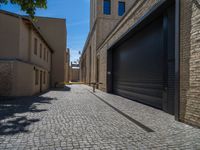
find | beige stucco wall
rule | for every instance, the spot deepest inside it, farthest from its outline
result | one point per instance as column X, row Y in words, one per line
column 91, row 59
column 22, row 86
column 93, row 56
column 103, row 68
column 26, row 53
column 88, row 70
column 17, row 41
column 17, row 58
column 83, row 68
column 35, row 59
column 55, row 32
column 24, row 41
column 75, row 75
column 44, row 86
column 9, row 33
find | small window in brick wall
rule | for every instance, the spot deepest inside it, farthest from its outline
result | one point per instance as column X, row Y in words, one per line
column 35, row 46
column 40, row 50
column 121, row 8
column 107, row 7
column 47, row 55
column 36, row 77
column 44, row 53
column 44, row 78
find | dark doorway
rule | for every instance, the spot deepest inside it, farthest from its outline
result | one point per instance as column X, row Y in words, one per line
column 90, row 67
column 143, row 64
column 40, row 81
column 97, row 72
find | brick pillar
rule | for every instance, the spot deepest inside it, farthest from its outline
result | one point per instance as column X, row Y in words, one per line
column 190, row 62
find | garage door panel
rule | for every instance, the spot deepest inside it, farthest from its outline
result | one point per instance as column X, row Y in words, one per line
column 142, row 63
column 155, row 85
column 138, row 66
column 141, row 54
column 149, row 91
column 153, row 101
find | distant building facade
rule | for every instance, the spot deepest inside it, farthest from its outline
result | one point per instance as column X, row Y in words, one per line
column 74, row 72
column 149, row 54
column 26, row 56
column 54, row 29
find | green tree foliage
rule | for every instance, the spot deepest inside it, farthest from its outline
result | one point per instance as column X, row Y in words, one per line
column 29, row 6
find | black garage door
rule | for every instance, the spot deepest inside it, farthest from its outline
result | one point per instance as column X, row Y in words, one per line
column 143, row 64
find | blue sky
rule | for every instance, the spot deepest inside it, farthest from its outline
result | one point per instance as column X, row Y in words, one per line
column 76, row 13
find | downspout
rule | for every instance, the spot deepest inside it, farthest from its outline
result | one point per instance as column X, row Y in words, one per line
column 30, row 43
column 177, row 62
column 50, row 74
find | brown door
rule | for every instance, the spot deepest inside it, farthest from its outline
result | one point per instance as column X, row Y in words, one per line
column 97, row 72
column 40, row 81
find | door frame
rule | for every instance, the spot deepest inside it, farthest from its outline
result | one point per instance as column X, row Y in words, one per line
column 177, row 60
column 41, row 81
column 97, row 70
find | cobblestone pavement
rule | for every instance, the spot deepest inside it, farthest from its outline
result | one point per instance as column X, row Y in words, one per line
column 75, row 118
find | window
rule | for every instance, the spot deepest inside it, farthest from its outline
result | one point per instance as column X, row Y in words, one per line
column 36, row 77
column 40, row 50
column 47, row 56
column 90, row 64
column 35, row 46
column 107, row 7
column 121, row 8
column 44, row 78
column 44, row 53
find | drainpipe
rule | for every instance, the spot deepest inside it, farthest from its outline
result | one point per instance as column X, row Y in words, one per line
column 177, row 62
column 50, row 73
column 30, row 44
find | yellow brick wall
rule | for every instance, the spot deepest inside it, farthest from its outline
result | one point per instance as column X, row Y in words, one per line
column 190, row 62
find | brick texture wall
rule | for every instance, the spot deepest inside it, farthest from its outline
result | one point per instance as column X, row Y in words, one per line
column 103, row 68
column 190, row 62
column 5, row 78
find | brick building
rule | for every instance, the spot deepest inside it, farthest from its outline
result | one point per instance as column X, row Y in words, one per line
column 30, row 57
column 102, row 21
column 147, row 51
column 74, row 72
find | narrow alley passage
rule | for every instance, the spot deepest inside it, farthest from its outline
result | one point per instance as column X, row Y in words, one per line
column 75, row 118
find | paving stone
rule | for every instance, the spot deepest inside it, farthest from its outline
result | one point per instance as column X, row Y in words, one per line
column 77, row 119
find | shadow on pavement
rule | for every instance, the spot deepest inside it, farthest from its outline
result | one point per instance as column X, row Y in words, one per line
column 197, row 3
column 12, row 117
column 16, row 125
column 64, row 89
